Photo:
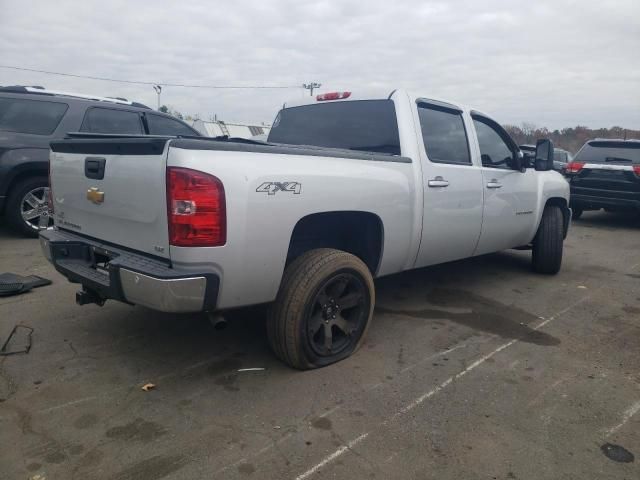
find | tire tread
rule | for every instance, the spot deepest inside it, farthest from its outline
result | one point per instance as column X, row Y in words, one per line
column 548, row 242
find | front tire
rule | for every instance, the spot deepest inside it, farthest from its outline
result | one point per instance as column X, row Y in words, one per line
column 548, row 242
column 323, row 309
column 28, row 206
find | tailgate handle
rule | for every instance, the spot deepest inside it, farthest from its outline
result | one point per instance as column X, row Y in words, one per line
column 94, row 167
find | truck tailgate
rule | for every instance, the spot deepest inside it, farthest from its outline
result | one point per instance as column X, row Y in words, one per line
column 112, row 189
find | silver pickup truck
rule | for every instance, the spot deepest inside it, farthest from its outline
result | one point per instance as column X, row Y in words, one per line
column 348, row 188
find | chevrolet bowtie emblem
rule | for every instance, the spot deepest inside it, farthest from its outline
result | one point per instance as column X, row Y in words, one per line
column 94, row 195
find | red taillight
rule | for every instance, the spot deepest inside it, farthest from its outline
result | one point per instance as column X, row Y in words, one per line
column 333, row 96
column 196, row 209
column 636, row 170
column 574, row 167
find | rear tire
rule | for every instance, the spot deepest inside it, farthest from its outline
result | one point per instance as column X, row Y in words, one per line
column 548, row 242
column 28, row 198
column 323, row 309
column 576, row 213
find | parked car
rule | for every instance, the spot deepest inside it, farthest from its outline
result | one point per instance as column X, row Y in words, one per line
column 348, row 188
column 605, row 174
column 30, row 117
column 528, row 151
column 560, row 157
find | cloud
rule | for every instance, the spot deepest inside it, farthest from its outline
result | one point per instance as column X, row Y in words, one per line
column 554, row 63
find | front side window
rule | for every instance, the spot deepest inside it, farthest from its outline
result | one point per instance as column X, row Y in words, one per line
column 107, row 120
column 495, row 152
column 159, row 125
column 30, row 116
column 444, row 135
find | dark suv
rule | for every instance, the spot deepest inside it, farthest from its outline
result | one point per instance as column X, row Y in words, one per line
column 605, row 174
column 30, row 117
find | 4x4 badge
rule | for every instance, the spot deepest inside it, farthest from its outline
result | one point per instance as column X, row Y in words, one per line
column 271, row 188
column 94, row 195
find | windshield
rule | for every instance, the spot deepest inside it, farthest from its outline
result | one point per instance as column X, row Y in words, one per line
column 364, row 125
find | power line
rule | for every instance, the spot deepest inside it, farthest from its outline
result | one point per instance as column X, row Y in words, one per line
column 149, row 83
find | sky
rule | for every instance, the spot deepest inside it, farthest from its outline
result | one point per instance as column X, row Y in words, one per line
column 554, row 63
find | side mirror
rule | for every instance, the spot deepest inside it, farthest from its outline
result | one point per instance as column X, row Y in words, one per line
column 544, row 155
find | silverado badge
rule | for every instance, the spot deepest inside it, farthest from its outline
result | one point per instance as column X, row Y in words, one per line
column 94, row 195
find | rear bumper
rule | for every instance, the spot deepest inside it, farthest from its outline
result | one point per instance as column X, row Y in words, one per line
column 587, row 202
column 108, row 272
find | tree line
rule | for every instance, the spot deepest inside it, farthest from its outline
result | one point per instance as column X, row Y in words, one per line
column 570, row 139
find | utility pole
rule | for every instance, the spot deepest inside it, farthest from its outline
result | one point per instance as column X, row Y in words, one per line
column 311, row 87
column 158, row 89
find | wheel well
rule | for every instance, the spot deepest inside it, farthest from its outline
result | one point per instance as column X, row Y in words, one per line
column 566, row 215
column 359, row 233
column 20, row 177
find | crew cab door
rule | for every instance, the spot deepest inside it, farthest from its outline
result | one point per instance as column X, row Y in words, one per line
column 452, row 186
column 510, row 196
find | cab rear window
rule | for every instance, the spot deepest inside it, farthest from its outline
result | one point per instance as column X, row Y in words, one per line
column 609, row 151
column 362, row 125
column 30, row 116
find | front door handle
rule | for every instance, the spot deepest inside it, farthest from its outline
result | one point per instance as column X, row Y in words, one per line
column 438, row 182
column 494, row 184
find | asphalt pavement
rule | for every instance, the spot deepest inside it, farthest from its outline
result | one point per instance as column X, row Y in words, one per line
column 478, row 369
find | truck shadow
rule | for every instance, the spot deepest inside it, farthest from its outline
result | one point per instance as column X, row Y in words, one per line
column 189, row 347
column 6, row 233
column 609, row 220
column 477, row 313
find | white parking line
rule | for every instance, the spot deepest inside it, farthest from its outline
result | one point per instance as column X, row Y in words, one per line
column 345, row 448
column 333, row 410
column 68, row 404
column 626, row 416
column 333, row 456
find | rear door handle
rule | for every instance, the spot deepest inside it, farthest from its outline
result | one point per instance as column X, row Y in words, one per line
column 494, row 184
column 438, row 182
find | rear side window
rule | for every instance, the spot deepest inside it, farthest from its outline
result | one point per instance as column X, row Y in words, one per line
column 107, row 120
column 30, row 116
column 444, row 135
column 363, row 125
column 604, row 151
column 159, row 125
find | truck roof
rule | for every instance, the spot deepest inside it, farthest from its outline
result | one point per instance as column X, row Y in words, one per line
column 375, row 94
column 38, row 90
column 366, row 94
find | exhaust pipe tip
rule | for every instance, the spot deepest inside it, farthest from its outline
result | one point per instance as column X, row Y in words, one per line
column 218, row 321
